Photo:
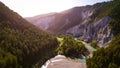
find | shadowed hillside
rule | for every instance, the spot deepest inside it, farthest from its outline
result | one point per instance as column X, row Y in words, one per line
column 22, row 44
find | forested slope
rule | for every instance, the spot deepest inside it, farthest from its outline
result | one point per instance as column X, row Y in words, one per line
column 109, row 57
column 21, row 43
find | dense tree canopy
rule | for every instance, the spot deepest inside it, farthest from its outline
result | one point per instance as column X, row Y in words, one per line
column 115, row 14
column 22, row 44
column 106, row 57
column 71, row 47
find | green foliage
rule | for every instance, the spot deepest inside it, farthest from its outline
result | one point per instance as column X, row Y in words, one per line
column 108, row 57
column 71, row 47
column 101, row 10
column 22, row 44
column 112, row 65
column 7, row 60
column 115, row 14
column 94, row 44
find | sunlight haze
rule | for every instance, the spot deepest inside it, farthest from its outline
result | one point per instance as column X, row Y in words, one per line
column 28, row 8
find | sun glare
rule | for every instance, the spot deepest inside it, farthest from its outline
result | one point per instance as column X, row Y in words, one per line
column 36, row 7
column 27, row 8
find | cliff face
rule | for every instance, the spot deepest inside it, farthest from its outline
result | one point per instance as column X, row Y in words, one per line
column 98, row 31
column 89, row 23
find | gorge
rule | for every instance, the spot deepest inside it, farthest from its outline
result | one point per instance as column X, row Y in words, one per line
column 89, row 23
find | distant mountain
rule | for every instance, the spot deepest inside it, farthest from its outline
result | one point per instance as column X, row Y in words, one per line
column 89, row 23
column 42, row 21
column 22, row 44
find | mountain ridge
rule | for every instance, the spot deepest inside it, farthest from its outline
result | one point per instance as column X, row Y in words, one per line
column 64, row 22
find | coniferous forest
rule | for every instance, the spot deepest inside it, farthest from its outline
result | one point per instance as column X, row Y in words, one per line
column 21, row 43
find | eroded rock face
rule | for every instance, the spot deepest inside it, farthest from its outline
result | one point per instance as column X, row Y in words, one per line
column 99, row 31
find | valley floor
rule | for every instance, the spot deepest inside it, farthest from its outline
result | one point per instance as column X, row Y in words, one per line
column 60, row 61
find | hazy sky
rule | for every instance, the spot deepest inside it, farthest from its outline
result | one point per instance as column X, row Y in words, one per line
column 28, row 8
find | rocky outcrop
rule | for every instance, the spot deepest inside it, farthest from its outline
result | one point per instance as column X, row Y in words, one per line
column 99, row 31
